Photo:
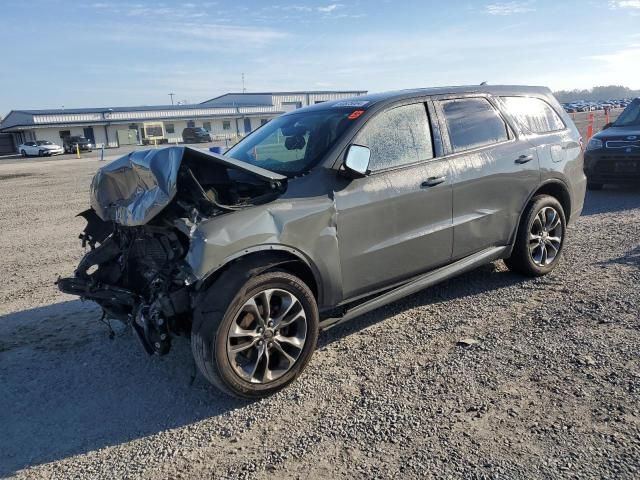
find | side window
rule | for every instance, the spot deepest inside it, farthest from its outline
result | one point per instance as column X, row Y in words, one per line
column 534, row 114
column 398, row 136
column 473, row 123
column 170, row 128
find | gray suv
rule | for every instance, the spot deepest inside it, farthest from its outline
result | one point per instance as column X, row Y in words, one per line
column 324, row 214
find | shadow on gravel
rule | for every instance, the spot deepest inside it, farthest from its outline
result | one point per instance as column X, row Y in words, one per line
column 483, row 279
column 613, row 198
column 632, row 257
column 66, row 389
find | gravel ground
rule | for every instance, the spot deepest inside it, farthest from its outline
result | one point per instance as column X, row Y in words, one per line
column 488, row 375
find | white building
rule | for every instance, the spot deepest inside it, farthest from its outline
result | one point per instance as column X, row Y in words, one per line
column 225, row 117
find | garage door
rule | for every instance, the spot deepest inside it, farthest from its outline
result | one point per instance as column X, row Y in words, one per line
column 6, row 144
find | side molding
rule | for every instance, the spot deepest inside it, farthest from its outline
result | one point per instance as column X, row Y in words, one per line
column 436, row 276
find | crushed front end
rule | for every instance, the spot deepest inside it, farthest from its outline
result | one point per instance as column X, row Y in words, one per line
column 144, row 208
column 137, row 275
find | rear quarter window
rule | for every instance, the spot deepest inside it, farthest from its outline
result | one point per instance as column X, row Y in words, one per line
column 398, row 136
column 534, row 114
column 473, row 123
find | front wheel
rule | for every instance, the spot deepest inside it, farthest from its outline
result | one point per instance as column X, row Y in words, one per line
column 540, row 238
column 259, row 341
column 23, row 153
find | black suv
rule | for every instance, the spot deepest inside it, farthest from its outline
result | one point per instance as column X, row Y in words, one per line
column 195, row 135
column 71, row 144
column 613, row 155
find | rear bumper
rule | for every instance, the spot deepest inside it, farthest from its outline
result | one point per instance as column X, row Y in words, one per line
column 607, row 166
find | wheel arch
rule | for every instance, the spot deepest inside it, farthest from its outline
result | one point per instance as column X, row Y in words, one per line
column 266, row 257
column 560, row 191
column 555, row 188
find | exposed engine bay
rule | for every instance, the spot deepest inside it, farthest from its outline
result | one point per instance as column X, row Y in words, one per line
column 143, row 207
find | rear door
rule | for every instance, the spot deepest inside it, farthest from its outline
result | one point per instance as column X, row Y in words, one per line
column 395, row 222
column 493, row 173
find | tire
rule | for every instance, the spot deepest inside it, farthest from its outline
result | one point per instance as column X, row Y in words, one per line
column 40, row 153
column 226, row 306
column 23, row 153
column 594, row 186
column 528, row 256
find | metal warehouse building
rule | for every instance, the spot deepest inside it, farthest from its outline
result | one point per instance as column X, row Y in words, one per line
column 225, row 117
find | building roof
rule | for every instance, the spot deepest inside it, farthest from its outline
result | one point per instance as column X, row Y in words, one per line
column 17, row 119
column 224, row 97
column 227, row 105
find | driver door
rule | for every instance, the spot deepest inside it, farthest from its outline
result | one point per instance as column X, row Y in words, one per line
column 396, row 222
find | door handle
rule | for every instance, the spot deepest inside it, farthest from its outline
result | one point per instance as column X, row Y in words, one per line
column 433, row 181
column 524, row 159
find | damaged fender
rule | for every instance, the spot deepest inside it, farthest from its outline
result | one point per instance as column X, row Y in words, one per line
column 277, row 226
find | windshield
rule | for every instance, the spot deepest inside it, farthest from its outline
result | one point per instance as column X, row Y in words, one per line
column 44, row 142
column 292, row 144
column 630, row 116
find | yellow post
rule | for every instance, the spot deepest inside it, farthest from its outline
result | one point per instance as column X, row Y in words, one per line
column 77, row 150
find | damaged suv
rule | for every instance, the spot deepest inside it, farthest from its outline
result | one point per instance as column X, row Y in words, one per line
column 323, row 214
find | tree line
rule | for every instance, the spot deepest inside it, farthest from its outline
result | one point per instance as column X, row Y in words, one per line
column 608, row 92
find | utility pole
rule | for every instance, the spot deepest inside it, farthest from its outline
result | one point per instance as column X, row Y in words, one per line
column 171, row 95
column 243, row 89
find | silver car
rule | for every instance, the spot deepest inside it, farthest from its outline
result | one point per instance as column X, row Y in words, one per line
column 323, row 214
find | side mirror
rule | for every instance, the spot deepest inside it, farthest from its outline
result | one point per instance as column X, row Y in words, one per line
column 608, row 125
column 356, row 161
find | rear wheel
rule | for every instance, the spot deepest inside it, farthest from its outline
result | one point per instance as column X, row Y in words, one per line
column 259, row 341
column 540, row 238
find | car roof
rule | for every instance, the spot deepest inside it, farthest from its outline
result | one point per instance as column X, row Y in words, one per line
column 373, row 99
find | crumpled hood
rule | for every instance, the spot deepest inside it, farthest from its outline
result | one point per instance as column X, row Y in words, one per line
column 133, row 189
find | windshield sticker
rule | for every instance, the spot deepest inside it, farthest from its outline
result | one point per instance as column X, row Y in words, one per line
column 351, row 103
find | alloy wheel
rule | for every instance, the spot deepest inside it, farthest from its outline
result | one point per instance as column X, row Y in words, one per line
column 267, row 336
column 545, row 236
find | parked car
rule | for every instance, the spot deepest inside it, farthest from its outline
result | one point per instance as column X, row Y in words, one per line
column 613, row 154
column 40, row 148
column 195, row 135
column 323, row 214
column 71, row 144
